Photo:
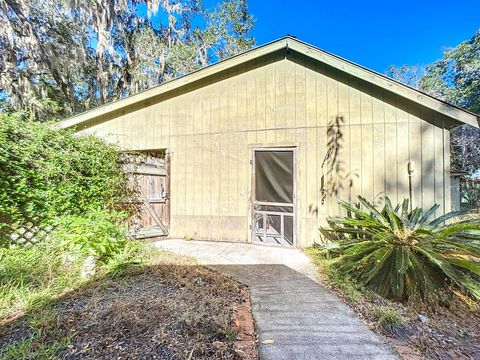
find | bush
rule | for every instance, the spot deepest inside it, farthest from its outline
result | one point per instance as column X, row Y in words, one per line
column 400, row 254
column 47, row 172
column 97, row 232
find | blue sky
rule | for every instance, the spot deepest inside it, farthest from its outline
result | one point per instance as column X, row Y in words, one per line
column 374, row 34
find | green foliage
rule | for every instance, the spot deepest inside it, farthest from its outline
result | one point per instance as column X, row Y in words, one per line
column 347, row 287
column 454, row 78
column 388, row 317
column 83, row 54
column 96, row 232
column 33, row 278
column 47, row 173
column 401, row 254
column 26, row 349
column 30, row 277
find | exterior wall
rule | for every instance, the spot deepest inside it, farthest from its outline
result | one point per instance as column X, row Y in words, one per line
column 455, row 193
column 212, row 126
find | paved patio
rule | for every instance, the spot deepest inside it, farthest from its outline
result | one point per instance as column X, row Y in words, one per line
column 295, row 316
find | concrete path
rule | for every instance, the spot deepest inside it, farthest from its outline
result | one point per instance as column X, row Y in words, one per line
column 295, row 316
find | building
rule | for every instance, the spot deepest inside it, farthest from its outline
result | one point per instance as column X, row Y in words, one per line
column 262, row 145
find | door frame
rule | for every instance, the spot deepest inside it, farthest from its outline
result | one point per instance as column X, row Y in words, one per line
column 251, row 221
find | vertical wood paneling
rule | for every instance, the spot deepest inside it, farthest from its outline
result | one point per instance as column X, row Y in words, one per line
column 310, row 94
column 299, row 91
column 415, row 141
column 206, row 109
column 242, row 98
column 207, row 175
column 332, row 162
column 446, row 171
column 215, row 174
column 215, row 106
column 196, row 179
column 378, row 148
column 211, row 127
column 343, row 166
column 403, row 154
column 260, row 93
column 190, row 165
column 232, row 100
column 280, row 97
column 243, row 173
column 223, row 104
column 391, row 148
column 321, row 92
column 251, row 96
column 198, row 112
column 223, row 177
column 368, row 162
column 290, row 95
column 428, row 165
column 181, row 177
column 233, row 164
column 189, row 104
column 439, row 170
column 270, row 92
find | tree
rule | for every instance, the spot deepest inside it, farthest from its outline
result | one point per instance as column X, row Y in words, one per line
column 454, row 78
column 67, row 56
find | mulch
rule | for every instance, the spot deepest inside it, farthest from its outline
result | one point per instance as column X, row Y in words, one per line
column 160, row 311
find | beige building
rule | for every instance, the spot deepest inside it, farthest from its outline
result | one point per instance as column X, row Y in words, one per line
column 262, row 145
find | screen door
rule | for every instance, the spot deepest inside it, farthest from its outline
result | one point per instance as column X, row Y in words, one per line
column 273, row 200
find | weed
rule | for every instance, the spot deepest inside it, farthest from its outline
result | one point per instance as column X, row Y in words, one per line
column 388, row 318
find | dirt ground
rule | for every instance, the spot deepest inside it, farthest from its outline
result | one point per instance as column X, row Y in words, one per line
column 441, row 331
column 160, row 311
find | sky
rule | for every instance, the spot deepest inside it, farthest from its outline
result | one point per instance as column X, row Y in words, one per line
column 374, row 34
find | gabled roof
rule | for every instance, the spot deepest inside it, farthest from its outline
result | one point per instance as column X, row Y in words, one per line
column 451, row 111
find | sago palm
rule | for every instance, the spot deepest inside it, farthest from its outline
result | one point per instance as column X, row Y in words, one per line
column 400, row 253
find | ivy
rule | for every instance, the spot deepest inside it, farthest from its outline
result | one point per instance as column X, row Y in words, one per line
column 46, row 172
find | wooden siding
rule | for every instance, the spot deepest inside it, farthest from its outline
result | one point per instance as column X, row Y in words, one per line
column 211, row 127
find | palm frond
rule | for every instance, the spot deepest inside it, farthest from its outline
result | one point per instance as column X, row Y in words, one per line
column 400, row 253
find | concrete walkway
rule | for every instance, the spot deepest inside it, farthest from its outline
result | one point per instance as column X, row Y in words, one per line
column 295, row 316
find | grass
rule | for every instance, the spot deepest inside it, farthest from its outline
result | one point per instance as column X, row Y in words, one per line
column 32, row 276
column 163, row 305
column 388, row 317
column 345, row 286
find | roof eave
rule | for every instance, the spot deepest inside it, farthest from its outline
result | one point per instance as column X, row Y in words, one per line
column 457, row 115
column 91, row 115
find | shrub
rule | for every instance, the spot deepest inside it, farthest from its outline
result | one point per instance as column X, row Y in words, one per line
column 97, row 232
column 47, row 172
column 400, row 253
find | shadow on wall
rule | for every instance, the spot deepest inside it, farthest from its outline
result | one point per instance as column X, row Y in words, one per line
column 336, row 174
column 408, row 175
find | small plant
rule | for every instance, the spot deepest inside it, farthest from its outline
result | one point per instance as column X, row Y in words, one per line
column 402, row 254
column 388, row 318
column 97, row 233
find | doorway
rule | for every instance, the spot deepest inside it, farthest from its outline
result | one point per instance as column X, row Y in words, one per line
column 273, row 196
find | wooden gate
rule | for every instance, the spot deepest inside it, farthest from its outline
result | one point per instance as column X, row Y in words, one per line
column 150, row 176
